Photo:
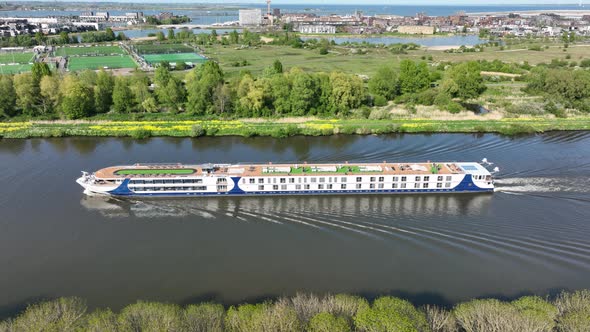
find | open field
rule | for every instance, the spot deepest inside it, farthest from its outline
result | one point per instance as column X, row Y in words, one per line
column 16, row 57
column 15, row 69
column 282, row 128
column 174, row 57
column 92, row 50
column 343, row 59
column 162, row 48
column 98, row 62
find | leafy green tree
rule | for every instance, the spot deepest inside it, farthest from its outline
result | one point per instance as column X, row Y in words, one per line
column 390, row 314
column 160, row 36
column 303, row 92
column 102, row 320
column 277, row 66
column 103, row 92
column 149, row 105
column 63, row 314
column 139, row 85
column 49, row 90
column 27, row 93
column 468, row 82
column 64, row 37
column 110, row 35
column 281, row 94
column 78, row 101
column 234, row 37
column 38, row 70
column 413, row 77
column 7, row 96
column 326, row 322
column 384, row 83
column 170, row 34
column 123, row 101
column 347, row 92
column 201, row 84
column 175, row 94
column 150, row 316
column 162, row 76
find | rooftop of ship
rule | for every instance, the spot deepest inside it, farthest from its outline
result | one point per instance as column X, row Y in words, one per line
column 288, row 169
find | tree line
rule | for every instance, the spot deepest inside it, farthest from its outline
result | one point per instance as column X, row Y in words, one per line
column 568, row 312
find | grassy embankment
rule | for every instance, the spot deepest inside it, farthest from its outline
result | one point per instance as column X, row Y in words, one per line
column 284, row 127
column 568, row 312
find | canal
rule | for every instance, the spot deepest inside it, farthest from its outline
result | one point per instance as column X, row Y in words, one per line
column 531, row 236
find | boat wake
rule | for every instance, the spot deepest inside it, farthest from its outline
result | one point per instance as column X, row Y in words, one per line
column 543, row 185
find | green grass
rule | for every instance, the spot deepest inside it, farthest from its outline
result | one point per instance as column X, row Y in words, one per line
column 16, row 57
column 98, row 62
column 15, row 69
column 177, row 171
column 88, row 51
column 162, row 48
column 174, row 57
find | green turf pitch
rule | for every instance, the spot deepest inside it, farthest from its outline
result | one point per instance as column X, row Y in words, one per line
column 98, row 62
column 16, row 57
column 90, row 51
column 15, row 69
column 163, row 48
column 173, row 58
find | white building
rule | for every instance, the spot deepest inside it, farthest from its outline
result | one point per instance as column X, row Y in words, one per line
column 330, row 29
column 250, row 17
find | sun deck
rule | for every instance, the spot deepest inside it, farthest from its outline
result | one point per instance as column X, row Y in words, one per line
column 249, row 170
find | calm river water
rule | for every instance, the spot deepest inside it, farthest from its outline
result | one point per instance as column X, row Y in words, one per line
column 531, row 236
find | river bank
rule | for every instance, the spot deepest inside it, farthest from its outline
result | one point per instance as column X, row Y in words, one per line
column 286, row 127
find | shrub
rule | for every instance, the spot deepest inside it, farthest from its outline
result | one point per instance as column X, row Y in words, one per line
column 101, row 320
column 390, row 314
column 141, row 133
column 63, row 314
column 326, row 322
column 150, row 316
column 485, row 316
column 379, row 101
column 536, row 314
column 379, row 114
column 204, row 317
column 439, row 320
column 533, row 108
column 348, row 305
column 198, row 131
column 323, row 51
column 517, row 129
column 279, row 317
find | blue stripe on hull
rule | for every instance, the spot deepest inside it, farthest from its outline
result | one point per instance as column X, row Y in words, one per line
column 311, row 192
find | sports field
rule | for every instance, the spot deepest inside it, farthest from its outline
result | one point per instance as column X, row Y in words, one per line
column 174, row 57
column 14, row 69
column 98, row 62
column 87, row 51
column 16, row 57
column 162, row 48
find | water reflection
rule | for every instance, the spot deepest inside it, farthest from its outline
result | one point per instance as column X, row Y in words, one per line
column 282, row 209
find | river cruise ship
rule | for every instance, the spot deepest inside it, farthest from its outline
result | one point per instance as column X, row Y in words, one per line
column 288, row 179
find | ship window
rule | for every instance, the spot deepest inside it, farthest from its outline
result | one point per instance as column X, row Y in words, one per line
column 403, row 186
column 439, row 178
column 404, row 179
column 394, row 186
column 427, row 178
column 260, row 187
column 343, row 186
column 283, row 187
column 359, row 179
column 298, row 180
column 297, row 187
column 313, row 180
column 320, row 186
column 261, row 180
column 439, row 185
column 358, row 186
column 307, row 186
column 417, row 178
column 335, row 180
column 304, row 180
column 252, row 180
column 380, row 186
column 449, row 178
column 372, row 186
column 373, row 179
column 416, row 185
column 329, row 186
column 447, row 185
column 283, row 180
column 322, row 180
column 291, row 180
column 381, row 179
column 274, row 180
column 275, row 187
column 343, row 179
column 395, row 179
column 425, row 185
